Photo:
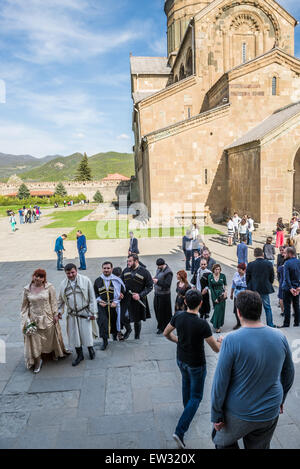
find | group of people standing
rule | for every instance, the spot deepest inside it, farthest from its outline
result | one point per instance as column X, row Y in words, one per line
column 81, row 248
column 294, row 236
column 26, row 215
column 258, row 276
column 240, row 229
column 117, row 299
column 210, row 281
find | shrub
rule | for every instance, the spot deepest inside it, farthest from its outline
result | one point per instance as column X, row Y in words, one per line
column 98, row 197
column 60, row 190
column 23, row 192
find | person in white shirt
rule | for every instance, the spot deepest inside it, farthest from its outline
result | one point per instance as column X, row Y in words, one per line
column 250, row 230
column 230, row 227
column 243, row 229
column 188, row 249
column 236, row 221
column 294, row 227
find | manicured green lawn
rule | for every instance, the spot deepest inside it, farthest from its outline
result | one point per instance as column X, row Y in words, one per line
column 119, row 229
column 112, row 229
column 67, row 219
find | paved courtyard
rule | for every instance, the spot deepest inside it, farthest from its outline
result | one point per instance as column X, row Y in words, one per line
column 128, row 397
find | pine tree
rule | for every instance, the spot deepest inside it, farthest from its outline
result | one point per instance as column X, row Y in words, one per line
column 98, row 197
column 23, row 192
column 84, row 171
column 60, row 190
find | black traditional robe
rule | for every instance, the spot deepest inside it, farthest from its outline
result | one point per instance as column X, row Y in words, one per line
column 137, row 281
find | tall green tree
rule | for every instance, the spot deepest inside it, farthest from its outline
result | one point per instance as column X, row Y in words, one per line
column 98, row 197
column 23, row 192
column 60, row 190
column 84, row 172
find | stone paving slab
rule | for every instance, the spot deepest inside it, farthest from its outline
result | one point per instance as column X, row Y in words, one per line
column 12, row 423
column 37, row 437
column 55, row 384
column 53, row 417
column 128, row 397
column 108, row 424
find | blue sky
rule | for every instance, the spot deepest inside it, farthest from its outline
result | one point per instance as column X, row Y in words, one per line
column 65, row 64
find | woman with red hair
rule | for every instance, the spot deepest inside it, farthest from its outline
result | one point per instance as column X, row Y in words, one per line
column 182, row 287
column 42, row 332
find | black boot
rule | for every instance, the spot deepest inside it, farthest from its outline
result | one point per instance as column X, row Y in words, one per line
column 79, row 357
column 137, row 330
column 114, row 337
column 92, row 352
column 128, row 331
column 104, row 345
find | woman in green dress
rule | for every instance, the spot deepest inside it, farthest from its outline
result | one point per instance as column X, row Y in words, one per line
column 218, row 288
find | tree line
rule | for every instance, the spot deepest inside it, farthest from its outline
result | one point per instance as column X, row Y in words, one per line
column 83, row 174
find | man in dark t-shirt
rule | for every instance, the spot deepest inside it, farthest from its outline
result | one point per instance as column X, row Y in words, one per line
column 191, row 333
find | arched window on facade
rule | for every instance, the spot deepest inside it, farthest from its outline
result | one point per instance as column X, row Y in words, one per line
column 189, row 63
column 244, row 52
column 181, row 73
column 274, row 86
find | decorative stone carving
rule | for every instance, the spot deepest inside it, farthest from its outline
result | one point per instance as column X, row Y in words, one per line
column 256, row 4
column 245, row 18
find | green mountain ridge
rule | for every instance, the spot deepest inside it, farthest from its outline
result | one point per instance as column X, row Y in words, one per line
column 64, row 168
column 16, row 164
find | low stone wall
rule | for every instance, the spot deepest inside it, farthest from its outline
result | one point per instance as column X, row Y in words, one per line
column 110, row 190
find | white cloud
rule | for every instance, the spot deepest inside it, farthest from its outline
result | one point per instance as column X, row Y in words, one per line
column 20, row 139
column 69, row 109
column 123, row 137
column 24, row 139
column 54, row 31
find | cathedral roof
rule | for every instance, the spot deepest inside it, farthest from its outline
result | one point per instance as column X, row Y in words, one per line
column 116, row 177
column 149, row 66
column 268, row 125
column 140, row 95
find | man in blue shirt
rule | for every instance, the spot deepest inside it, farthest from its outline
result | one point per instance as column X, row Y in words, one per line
column 59, row 249
column 82, row 248
column 21, row 215
column 255, row 372
column 242, row 251
column 291, row 286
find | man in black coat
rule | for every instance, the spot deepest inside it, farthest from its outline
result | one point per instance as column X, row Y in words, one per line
column 133, row 246
column 139, row 282
column 260, row 278
column 162, row 295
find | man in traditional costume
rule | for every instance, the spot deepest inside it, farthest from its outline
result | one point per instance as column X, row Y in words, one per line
column 162, row 295
column 138, row 283
column 77, row 295
column 108, row 289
